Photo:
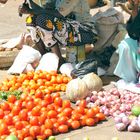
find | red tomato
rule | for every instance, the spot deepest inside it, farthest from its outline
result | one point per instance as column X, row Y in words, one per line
column 8, row 120
column 36, row 111
column 48, row 124
column 30, row 105
column 100, row 116
column 48, row 98
column 48, row 132
column 63, row 128
column 62, row 120
column 39, row 94
column 66, row 104
column 18, row 103
column 75, row 124
column 80, row 109
column 16, row 110
column 58, row 101
column 11, row 98
column 90, row 122
column 5, row 106
column 1, row 114
column 34, row 120
column 83, row 103
column 52, row 114
column 3, row 129
column 35, row 131
column 19, row 125
column 23, row 114
column 90, row 113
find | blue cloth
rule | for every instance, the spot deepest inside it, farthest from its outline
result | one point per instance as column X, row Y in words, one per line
column 129, row 60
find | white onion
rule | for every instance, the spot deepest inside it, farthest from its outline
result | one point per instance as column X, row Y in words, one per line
column 120, row 126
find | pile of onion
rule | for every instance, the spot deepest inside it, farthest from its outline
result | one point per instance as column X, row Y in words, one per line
column 113, row 102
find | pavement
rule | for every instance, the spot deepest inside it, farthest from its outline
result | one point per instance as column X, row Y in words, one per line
column 11, row 26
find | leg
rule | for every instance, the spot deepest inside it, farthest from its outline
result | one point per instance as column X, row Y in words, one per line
column 55, row 49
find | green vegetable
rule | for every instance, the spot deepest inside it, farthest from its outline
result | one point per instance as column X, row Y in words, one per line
column 4, row 94
column 11, row 137
column 51, row 138
column 136, row 110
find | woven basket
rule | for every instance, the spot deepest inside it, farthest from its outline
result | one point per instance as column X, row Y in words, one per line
column 7, row 58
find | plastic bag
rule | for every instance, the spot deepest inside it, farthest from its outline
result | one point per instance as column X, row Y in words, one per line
column 49, row 62
column 27, row 55
column 84, row 67
column 66, row 68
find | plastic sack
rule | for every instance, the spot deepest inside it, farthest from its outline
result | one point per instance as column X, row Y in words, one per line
column 49, row 62
column 66, row 68
column 27, row 55
column 84, row 67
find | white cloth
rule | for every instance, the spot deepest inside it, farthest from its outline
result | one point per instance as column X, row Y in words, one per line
column 27, row 55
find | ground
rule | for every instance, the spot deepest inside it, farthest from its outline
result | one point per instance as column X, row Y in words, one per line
column 11, row 25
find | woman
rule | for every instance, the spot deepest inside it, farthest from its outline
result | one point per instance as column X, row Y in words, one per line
column 55, row 28
column 128, row 67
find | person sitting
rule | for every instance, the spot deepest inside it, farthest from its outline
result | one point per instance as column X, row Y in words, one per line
column 128, row 66
column 55, row 28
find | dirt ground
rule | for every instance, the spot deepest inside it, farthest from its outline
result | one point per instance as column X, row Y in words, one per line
column 11, row 25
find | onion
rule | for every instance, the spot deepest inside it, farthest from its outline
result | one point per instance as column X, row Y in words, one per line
column 130, row 128
column 88, row 99
column 118, row 119
column 120, row 126
column 125, row 120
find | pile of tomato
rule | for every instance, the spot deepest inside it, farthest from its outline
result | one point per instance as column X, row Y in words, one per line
column 39, row 81
column 41, row 112
column 40, row 116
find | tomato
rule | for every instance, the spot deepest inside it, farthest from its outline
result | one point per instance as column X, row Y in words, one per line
column 90, row 113
column 39, row 94
column 48, row 98
column 25, row 132
column 16, row 110
column 63, row 128
column 29, row 138
column 48, row 132
column 100, row 116
column 23, row 96
column 44, row 104
column 4, row 129
column 11, row 98
column 52, row 114
column 36, row 111
column 35, row 131
column 80, row 109
column 58, row 101
column 1, row 114
column 62, row 120
column 90, row 122
column 83, row 103
column 48, row 77
column 67, row 111
column 55, row 95
column 96, row 109
column 23, row 114
column 19, row 125
column 18, row 103
column 83, row 120
column 65, row 80
column 76, row 116
column 75, row 124
column 5, row 106
column 66, row 104
column 16, row 119
column 59, row 79
column 34, row 120
column 48, row 124
column 8, row 120
column 30, row 105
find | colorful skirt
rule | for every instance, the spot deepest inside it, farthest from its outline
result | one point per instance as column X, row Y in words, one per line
column 64, row 31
